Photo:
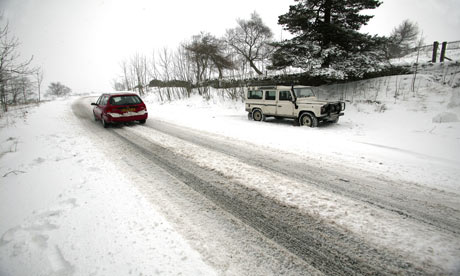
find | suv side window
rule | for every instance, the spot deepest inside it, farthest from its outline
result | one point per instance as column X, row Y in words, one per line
column 270, row 95
column 99, row 100
column 255, row 94
column 285, row 96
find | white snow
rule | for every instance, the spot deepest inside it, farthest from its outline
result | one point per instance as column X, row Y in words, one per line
column 65, row 209
column 371, row 224
column 399, row 138
column 425, row 54
column 445, row 117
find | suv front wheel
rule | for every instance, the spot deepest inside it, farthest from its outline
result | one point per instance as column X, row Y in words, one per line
column 308, row 119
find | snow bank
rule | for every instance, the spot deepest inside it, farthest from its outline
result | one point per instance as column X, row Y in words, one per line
column 425, row 55
column 445, row 117
column 455, row 99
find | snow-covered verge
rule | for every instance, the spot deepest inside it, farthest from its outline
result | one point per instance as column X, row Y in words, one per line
column 66, row 210
column 388, row 129
column 425, row 55
column 414, row 137
column 425, row 245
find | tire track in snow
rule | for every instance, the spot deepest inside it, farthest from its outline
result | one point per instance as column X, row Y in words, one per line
column 409, row 200
column 225, row 242
column 330, row 249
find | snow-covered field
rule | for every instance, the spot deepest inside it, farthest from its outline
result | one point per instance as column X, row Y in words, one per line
column 66, row 209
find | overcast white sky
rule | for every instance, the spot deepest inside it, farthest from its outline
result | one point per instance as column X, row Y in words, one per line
column 81, row 42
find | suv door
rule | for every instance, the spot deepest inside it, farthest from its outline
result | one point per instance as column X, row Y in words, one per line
column 270, row 102
column 285, row 106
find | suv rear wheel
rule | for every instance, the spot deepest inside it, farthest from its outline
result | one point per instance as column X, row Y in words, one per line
column 309, row 120
column 258, row 116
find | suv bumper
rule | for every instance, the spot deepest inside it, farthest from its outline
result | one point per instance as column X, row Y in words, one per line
column 331, row 117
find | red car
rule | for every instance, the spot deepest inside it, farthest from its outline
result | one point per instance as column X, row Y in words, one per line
column 113, row 108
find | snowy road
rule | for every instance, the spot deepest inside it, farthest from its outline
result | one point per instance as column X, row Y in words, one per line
column 282, row 212
column 427, row 205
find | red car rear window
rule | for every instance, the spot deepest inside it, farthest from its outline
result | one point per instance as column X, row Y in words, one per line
column 125, row 100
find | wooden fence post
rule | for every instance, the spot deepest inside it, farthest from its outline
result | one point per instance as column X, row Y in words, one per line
column 435, row 52
column 443, row 51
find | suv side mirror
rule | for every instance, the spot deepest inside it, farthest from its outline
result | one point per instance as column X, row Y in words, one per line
column 93, row 103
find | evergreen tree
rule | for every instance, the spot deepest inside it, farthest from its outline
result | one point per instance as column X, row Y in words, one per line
column 326, row 39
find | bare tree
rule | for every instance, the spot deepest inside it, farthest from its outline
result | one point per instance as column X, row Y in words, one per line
column 154, row 72
column 26, row 85
column 139, row 70
column 183, row 70
column 197, row 54
column 419, row 45
column 127, row 80
column 10, row 66
column 39, row 79
column 171, row 72
column 403, row 38
column 58, row 89
column 14, row 90
column 251, row 39
column 118, row 85
column 166, row 64
column 206, row 54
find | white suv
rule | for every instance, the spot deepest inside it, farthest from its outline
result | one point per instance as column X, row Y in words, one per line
column 296, row 102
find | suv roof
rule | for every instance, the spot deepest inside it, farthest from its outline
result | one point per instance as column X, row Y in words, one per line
column 279, row 87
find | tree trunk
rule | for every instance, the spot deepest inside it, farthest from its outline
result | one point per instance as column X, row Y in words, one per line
column 24, row 94
column 326, row 34
column 219, row 69
column 3, row 97
column 253, row 66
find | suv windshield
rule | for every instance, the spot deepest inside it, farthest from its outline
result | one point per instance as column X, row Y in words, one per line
column 303, row 92
column 125, row 100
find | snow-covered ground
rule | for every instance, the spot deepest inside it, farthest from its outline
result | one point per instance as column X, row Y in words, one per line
column 374, row 225
column 66, row 209
column 425, row 55
column 415, row 137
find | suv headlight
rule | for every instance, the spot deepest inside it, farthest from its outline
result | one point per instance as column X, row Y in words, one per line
column 324, row 109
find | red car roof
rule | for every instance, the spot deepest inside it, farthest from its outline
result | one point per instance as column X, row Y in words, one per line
column 121, row 94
